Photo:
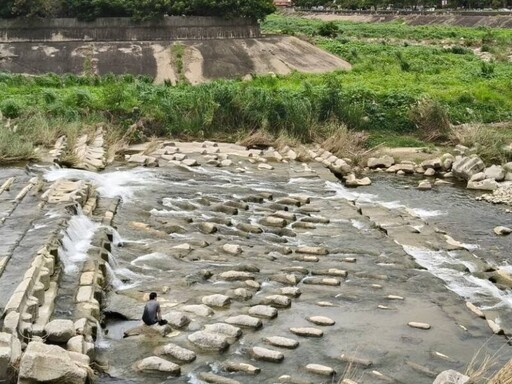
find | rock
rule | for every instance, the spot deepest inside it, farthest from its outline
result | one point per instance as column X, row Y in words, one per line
column 271, row 221
column 199, row 310
column 243, row 294
column 10, row 353
column 402, row 168
column 430, row 172
column 244, row 321
column 330, row 272
column 190, row 162
column 381, row 162
column 394, row 297
column 252, row 284
column 320, row 369
column 265, row 167
column 207, row 227
column 43, row 363
column 451, row 377
column 484, row 185
column 267, row 354
column 501, row 230
column 282, row 342
column 209, row 341
column 236, row 275
column 356, row 360
column 400, row 173
column 216, row 379
column 495, row 172
column 352, row 181
column 312, row 250
column 495, row 328
column 290, row 216
column 465, row 167
column 321, row 320
column 447, row 161
column 223, row 329
column 286, row 278
column 75, row 344
column 149, row 331
column 176, row 319
column 233, row 249
column 279, row 301
column 291, row 291
column 249, row 228
column 307, row 332
column 473, row 308
column 157, row 364
column 248, row 369
column 478, row 177
column 432, row 164
column 59, row 331
column 264, row 311
column 216, row 300
column 176, row 352
column 414, row 324
column 321, row 281
column 424, row 185
column 226, row 163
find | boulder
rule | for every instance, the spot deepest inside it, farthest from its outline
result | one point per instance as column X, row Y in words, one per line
column 495, row 172
column 59, row 331
column 176, row 319
column 176, row 352
column 10, row 353
column 44, row 363
column 216, row 300
column 465, row 167
column 484, row 185
column 432, row 164
column 404, row 168
column 380, row 162
column 267, row 355
column 232, row 249
column 424, row 185
column 157, row 364
column 243, row 293
column 199, row 310
column 291, row 291
column 429, row 172
column 478, row 177
column 352, row 181
column 447, row 161
column 209, row 341
column 278, row 301
column 451, row 377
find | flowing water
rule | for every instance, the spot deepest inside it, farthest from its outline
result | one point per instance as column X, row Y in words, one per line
column 158, row 246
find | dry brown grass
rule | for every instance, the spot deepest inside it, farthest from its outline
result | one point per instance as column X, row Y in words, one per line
column 504, row 375
column 258, row 139
column 343, row 142
column 482, row 367
column 431, row 120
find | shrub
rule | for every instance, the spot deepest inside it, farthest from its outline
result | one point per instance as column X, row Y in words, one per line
column 10, row 108
column 329, row 29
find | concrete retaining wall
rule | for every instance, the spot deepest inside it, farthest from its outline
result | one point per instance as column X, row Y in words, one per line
column 123, row 29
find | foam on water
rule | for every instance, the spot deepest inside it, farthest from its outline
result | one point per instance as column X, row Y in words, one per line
column 343, row 193
column 464, row 284
column 109, row 184
column 156, row 256
column 424, row 213
column 76, row 242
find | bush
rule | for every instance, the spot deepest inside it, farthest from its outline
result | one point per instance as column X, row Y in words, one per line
column 329, row 29
column 10, row 108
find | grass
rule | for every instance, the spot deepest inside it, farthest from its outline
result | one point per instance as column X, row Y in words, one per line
column 400, row 94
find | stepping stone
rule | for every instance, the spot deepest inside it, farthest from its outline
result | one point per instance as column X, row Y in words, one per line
column 414, row 324
column 244, row 321
column 252, row 284
column 307, row 332
column 303, row 225
column 264, row 311
column 312, row 250
column 246, row 368
column 236, row 275
column 209, row 341
column 282, row 342
column 224, row 329
column 157, row 364
column 376, row 286
column 356, row 360
column 349, row 260
column 265, row 354
column 394, row 297
column 216, row 300
column 176, row 352
column 301, row 270
column 286, row 278
column 285, row 215
column 320, row 369
column 288, row 201
column 271, row 221
column 321, row 281
column 307, row 258
column 315, row 220
column 249, row 228
column 207, row 227
column 216, row 379
column 279, row 301
column 321, row 320
column 291, row 291
column 330, row 272
column 325, row 304
column 232, row 249
column 383, row 307
column 473, row 308
column 199, row 310
column 243, row 294
column 265, row 167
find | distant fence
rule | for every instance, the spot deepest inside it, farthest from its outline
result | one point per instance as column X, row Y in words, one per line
column 124, row 29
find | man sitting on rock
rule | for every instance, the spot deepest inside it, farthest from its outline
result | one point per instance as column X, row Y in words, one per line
column 152, row 314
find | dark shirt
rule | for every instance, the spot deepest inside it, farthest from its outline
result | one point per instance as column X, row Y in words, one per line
column 150, row 315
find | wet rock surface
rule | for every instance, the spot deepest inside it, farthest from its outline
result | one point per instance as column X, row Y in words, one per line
column 251, row 263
